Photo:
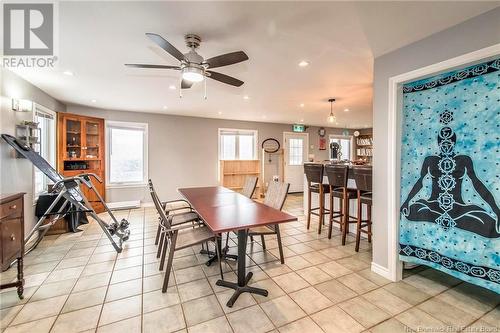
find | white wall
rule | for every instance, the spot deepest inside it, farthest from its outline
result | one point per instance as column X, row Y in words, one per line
column 474, row 34
column 16, row 174
column 183, row 151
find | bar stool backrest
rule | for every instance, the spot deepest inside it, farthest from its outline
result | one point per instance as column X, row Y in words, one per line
column 159, row 208
column 337, row 175
column 314, row 172
column 249, row 186
column 363, row 178
column 276, row 194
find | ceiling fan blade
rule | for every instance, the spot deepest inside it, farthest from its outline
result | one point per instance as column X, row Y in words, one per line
column 227, row 59
column 186, row 84
column 225, row 78
column 153, row 66
column 161, row 42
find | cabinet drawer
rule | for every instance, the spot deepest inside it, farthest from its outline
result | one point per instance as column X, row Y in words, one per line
column 11, row 231
column 11, row 209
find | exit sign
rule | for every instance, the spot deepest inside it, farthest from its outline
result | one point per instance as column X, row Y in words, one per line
column 298, row 128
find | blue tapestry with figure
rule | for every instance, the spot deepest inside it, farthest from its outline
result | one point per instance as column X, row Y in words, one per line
column 450, row 173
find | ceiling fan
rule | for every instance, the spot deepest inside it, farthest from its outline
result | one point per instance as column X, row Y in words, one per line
column 193, row 67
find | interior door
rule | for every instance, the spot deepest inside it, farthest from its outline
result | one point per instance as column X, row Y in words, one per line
column 295, row 155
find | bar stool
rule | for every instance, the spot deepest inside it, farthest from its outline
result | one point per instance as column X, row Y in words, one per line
column 337, row 180
column 363, row 177
column 314, row 176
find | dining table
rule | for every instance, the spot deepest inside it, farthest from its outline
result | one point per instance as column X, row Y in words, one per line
column 224, row 210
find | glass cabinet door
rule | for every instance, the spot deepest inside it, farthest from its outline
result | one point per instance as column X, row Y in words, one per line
column 91, row 150
column 73, row 132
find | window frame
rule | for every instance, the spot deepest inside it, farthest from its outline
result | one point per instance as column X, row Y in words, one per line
column 255, row 134
column 344, row 137
column 109, row 125
column 43, row 109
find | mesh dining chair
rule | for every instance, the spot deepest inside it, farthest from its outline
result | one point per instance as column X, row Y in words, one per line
column 275, row 197
column 178, row 237
column 249, row 186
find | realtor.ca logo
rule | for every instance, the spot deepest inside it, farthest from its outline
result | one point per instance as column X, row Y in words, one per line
column 28, row 35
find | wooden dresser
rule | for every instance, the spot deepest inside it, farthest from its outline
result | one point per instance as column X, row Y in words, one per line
column 12, row 236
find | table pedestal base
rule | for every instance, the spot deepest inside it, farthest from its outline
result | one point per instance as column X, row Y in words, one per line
column 240, row 289
column 213, row 255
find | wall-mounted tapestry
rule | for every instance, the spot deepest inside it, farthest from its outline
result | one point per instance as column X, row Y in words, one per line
column 450, row 173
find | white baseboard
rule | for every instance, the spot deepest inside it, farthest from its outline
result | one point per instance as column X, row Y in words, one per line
column 382, row 271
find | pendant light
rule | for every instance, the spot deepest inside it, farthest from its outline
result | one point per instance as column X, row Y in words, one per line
column 331, row 117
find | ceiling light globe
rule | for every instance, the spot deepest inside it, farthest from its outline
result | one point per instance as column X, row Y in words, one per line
column 192, row 74
column 331, row 118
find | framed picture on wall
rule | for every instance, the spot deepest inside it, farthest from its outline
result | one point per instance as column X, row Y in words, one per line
column 322, row 144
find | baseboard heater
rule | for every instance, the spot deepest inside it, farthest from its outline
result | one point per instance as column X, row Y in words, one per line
column 124, row 205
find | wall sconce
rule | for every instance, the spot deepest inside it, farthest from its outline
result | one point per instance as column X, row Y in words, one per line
column 22, row 105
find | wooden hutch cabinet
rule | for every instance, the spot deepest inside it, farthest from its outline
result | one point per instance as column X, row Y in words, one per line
column 81, row 150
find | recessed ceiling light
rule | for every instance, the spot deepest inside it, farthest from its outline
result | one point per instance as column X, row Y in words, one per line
column 302, row 105
column 346, row 110
column 246, row 97
column 220, row 112
column 69, row 73
column 165, row 107
column 264, row 117
column 171, row 87
column 304, row 63
column 301, row 120
column 94, row 100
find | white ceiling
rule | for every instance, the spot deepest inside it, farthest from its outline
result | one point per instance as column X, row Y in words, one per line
column 339, row 39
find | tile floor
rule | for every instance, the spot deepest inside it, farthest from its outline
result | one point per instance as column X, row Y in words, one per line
column 77, row 283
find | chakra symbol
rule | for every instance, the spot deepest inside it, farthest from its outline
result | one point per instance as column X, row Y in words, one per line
column 446, row 201
column 447, row 165
column 446, row 182
column 446, row 117
column 446, row 133
column 447, row 147
column 446, row 221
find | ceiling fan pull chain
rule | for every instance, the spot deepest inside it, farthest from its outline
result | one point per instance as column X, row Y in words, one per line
column 205, row 85
column 180, row 86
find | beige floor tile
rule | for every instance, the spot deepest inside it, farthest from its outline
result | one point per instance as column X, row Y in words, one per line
column 40, row 309
column 470, row 298
column 244, row 300
column 83, row 299
column 272, row 288
column 314, row 275
column 156, row 300
column 483, row 326
column 48, row 290
column 77, row 321
column 282, row 310
column 124, row 290
column 34, row 280
column 155, row 282
column 391, row 325
column 219, row 325
column 335, row 253
column 275, row 268
column 64, row 274
column 128, row 262
column 311, row 300
column 73, row 262
column 38, row 326
column 251, row 319
column 335, row 291
column 387, row 301
column 334, row 269
column 426, row 284
column 303, row 325
column 421, row 321
column 9, row 298
column 407, row 292
column 121, row 309
column 164, row 321
column 373, row 277
column 357, row 283
column 231, row 277
column 201, row 309
column 353, row 264
column 131, row 325
column 126, row 274
column 290, row 282
column 190, row 274
column 92, row 281
column 297, row 262
column 335, row 320
column 8, row 314
column 493, row 317
column 315, row 257
column 447, row 313
column 195, row 289
column 364, row 312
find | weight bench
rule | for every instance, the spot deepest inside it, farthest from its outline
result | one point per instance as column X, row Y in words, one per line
column 68, row 193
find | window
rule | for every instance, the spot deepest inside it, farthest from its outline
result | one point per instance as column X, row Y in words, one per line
column 127, row 162
column 237, row 144
column 345, row 143
column 46, row 120
column 296, row 151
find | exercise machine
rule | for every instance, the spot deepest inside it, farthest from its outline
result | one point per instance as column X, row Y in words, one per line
column 68, row 200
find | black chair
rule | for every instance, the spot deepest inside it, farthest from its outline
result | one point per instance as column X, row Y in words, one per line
column 337, row 179
column 363, row 177
column 275, row 197
column 314, row 176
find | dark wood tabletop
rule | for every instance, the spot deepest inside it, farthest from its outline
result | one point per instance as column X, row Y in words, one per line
column 224, row 210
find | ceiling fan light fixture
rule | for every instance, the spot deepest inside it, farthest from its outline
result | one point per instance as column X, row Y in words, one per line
column 193, row 74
